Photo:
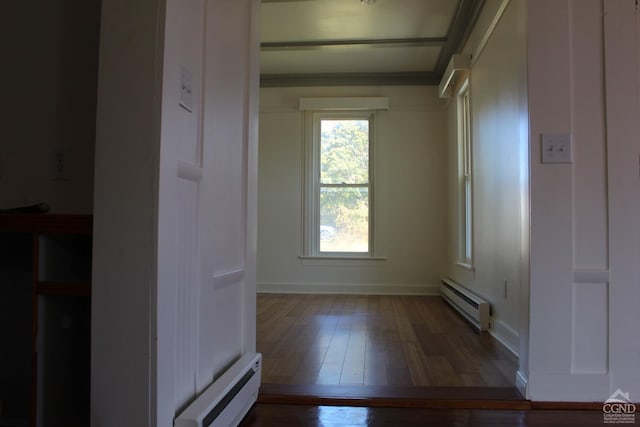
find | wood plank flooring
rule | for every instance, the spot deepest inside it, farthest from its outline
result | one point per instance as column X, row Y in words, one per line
column 269, row 415
column 396, row 397
column 371, row 340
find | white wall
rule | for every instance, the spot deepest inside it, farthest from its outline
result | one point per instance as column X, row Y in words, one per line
column 48, row 100
column 410, row 195
column 585, row 226
column 500, row 168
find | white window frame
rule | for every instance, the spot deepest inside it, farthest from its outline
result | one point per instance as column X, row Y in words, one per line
column 465, row 176
column 311, row 210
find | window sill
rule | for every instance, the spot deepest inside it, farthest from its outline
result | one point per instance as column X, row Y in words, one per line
column 465, row 266
column 343, row 261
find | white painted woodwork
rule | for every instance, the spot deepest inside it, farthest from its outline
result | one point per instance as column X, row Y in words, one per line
column 172, row 205
column 589, row 352
column 459, row 64
column 178, row 228
column 222, row 214
column 584, row 218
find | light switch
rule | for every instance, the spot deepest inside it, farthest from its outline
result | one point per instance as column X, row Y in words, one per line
column 556, row 148
column 186, row 88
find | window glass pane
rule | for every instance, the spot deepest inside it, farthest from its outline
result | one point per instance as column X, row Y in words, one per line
column 344, row 151
column 344, row 219
column 467, row 220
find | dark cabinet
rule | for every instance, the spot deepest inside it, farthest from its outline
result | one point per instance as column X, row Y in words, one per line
column 45, row 319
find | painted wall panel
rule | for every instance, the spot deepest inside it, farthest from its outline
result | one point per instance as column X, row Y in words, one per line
column 176, row 317
column 590, row 328
column 596, row 213
column 223, row 217
column 589, row 150
column 186, row 292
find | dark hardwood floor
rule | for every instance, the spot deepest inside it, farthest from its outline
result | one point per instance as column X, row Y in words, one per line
column 372, row 340
column 270, row 415
column 356, row 361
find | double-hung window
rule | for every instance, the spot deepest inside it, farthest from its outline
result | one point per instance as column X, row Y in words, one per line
column 465, row 178
column 339, row 186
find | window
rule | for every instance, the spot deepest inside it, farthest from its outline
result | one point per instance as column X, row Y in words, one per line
column 338, row 208
column 465, row 178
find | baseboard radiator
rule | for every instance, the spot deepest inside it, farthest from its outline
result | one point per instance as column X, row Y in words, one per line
column 228, row 399
column 475, row 309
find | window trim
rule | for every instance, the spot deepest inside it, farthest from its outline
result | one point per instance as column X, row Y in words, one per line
column 311, row 190
column 465, row 176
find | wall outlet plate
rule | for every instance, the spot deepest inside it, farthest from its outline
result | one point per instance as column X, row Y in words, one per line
column 60, row 167
column 556, row 148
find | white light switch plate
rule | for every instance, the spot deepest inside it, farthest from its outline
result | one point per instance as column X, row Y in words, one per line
column 556, row 148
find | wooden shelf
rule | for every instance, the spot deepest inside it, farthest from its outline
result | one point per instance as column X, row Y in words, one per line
column 46, row 223
column 58, row 249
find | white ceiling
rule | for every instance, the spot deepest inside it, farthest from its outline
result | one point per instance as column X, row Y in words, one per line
column 307, row 42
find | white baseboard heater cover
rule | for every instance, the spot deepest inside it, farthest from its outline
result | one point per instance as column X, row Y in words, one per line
column 228, row 399
column 475, row 309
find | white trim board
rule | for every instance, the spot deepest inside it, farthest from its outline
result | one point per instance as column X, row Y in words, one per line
column 521, row 383
column 344, row 103
column 349, row 288
column 506, row 335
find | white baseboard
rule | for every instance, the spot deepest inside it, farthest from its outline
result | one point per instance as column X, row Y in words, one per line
column 506, row 335
column 349, row 288
column 521, row 383
column 568, row 387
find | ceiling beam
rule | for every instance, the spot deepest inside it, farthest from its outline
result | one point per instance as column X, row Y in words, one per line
column 463, row 21
column 365, row 43
column 349, row 79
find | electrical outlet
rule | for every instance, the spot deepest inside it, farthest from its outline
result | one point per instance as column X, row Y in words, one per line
column 60, row 170
column 556, row 148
